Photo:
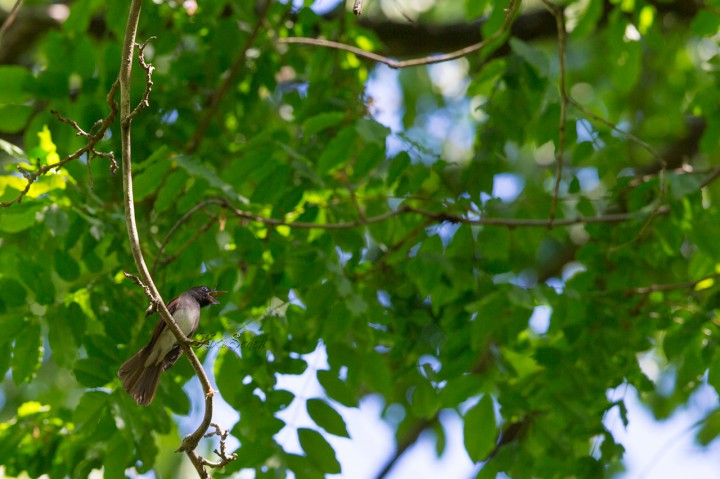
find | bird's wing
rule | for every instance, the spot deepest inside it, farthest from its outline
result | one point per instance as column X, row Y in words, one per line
column 160, row 326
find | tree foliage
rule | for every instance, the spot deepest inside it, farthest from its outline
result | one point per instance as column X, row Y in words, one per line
column 262, row 167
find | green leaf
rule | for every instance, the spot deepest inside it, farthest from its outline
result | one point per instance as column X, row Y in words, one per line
column 197, row 169
column 682, row 185
column 227, row 369
column 66, row 266
column 377, row 374
column 588, row 18
column 16, row 84
column 714, row 372
column 336, row 388
column 459, row 389
column 5, row 355
column 248, row 246
column 710, row 428
column 425, row 400
column 170, row 190
column 494, row 243
column 176, row 399
column 27, row 352
column 533, row 56
column 480, row 429
column 318, row 451
column 367, row 159
column 371, row 131
column 338, row 151
column 18, row 217
column 272, row 185
column 13, row 118
column 323, row 121
column 13, row 292
column 61, row 336
column 475, row 8
column 90, row 375
column 397, row 166
column 148, row 182
column 90, row 409
column 523, row 364
column 326, row 417
column 117, row 456
column 11, row 327
column 301, row 467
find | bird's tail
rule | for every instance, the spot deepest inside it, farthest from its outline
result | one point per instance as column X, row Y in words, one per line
column 138, row 380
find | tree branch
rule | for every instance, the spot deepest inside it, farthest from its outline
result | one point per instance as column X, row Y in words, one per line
column 175, row 227
column 410, row 438
column 672, row 286
column 428, row 60
column 93, row 137
column 190, row 442
column 436, row 215
column 10, row 19
column 357, row 7
column 560, row 153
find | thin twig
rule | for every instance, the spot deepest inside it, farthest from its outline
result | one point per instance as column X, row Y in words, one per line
column 589, row 114
column 73, row 123
column 232, row 74
column 153, row 306
column 672, row 286
column 714, row 174
column 222, row 454
column 189, row 242
column 177, row 225
column 93, row 138
column 428, row 60
column 560, row 153
column 145, row 102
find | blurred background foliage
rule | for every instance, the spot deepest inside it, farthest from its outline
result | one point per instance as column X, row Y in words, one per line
column 522, row 330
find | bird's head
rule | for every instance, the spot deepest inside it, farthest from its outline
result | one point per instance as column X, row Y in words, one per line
column 205, row 295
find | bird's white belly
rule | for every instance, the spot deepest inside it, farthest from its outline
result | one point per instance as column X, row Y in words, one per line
column 184, row 319
column 166, row 341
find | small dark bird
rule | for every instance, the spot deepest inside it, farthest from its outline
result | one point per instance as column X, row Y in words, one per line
column 140, row 374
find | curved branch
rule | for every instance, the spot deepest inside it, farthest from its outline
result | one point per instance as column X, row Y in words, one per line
column 438, row 216
column 512, row 9
column 190, row 442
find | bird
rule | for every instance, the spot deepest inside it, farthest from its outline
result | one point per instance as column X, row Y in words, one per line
column 140, row 375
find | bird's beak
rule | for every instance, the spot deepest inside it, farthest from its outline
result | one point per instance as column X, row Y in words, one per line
column 215, row 294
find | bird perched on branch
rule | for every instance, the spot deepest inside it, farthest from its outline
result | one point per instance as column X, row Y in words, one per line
column 140, row 374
